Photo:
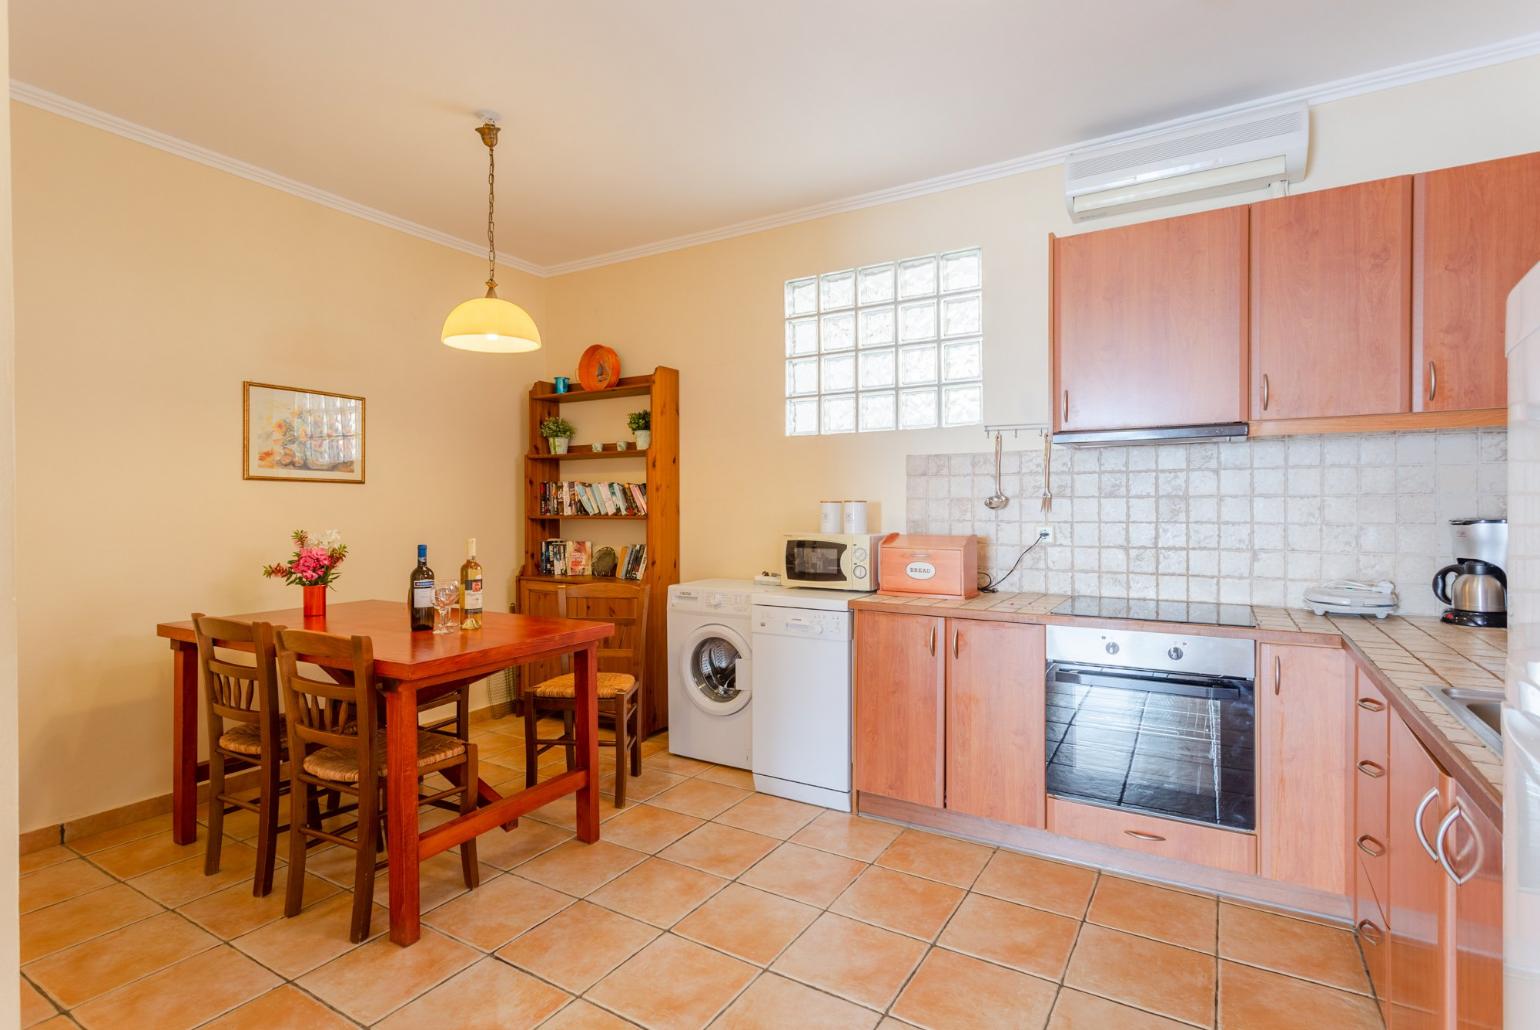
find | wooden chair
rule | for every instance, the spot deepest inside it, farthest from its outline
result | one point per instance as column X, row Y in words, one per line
column 336, row 744
column 244, row 730
column 621, row 670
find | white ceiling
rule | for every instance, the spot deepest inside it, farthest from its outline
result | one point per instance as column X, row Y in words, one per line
column 629, row 122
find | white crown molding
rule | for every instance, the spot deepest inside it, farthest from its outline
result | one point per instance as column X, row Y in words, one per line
column 1386, row 78
column 53, row 102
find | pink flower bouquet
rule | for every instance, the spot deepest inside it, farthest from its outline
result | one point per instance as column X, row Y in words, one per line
column 314, row 562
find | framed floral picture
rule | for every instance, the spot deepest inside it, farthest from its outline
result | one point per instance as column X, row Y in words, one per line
column 297, row 435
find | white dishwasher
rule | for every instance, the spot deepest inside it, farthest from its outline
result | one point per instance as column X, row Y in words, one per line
column 802, row 669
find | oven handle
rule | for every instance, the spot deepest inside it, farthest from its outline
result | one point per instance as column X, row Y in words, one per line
column 1214, row 688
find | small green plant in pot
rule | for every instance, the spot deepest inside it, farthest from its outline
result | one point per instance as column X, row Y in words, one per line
column 558, row 431
column 641, row 427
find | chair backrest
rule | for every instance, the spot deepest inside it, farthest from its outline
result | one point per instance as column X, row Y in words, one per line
column 624, row 604
column 329, row 712
column 234, row 690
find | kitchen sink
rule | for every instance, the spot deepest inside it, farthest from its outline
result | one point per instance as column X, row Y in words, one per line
column 1480, row 711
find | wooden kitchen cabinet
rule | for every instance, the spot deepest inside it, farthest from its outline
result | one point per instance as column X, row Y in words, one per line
column 1415, row 911
column 1331, row 302
column 1149, row 323
column 994, row 720
column 1303, row 734
column 1473, row 853
column 1476, row 232
column 900, row 707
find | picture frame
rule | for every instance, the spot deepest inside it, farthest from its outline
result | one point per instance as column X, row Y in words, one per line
column 297, row 435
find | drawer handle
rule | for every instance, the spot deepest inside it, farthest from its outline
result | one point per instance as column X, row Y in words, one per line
column 1371, row 847
column 1371, row 933
column 1374, row 769
column 1371, row 704
column 1141, row 835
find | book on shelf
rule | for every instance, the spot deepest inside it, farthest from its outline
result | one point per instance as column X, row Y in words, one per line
column 633, row 562
column 574, row 497
column 566, row 558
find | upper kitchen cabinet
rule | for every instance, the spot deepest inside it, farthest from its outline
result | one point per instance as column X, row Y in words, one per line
column 1477, row 231
column 1331, row 302
column 1149, row 324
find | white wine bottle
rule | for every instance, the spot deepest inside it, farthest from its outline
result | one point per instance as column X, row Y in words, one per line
column 470, row 588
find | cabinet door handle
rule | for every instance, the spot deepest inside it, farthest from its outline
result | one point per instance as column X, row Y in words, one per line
column 1064, row 418
column 933, row 640
column 1371, row 769
column 1264, row 391
column 1371, row 704
column 1432, row 380
column 1277, row 674
column 1141, row 835
column 1438, row 842
column 1369, row 846
column 956, row 641
column 1370, row 932
column 1422, row 838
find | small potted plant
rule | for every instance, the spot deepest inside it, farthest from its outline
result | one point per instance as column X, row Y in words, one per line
column 558, row 431
column 641, row 427
column 312, row 566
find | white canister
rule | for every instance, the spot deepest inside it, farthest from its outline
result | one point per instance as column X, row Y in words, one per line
column 855, row 518
column 829, row 516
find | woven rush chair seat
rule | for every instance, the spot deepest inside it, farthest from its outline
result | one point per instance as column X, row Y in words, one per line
column 341, row 764
column 245, row 738
column 611, row 684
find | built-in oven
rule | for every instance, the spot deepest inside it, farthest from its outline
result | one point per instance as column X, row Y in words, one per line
column 1159, row 723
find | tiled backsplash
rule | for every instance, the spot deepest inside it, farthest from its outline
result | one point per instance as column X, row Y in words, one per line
column 1253, row 521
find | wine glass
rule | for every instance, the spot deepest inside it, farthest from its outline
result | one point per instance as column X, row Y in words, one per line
column 444, row 597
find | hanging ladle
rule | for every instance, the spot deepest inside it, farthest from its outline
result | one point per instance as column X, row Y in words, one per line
column 997, row 500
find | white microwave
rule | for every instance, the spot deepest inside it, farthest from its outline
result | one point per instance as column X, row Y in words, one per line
column 834, row 561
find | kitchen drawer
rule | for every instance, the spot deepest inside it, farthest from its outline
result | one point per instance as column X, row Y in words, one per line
column 1168, row 838
column 1373, row 934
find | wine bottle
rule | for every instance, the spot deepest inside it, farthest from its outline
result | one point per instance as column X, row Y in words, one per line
column 470, row 588
column 419, row 594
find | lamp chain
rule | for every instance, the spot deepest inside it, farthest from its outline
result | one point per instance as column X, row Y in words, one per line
column 491, row 209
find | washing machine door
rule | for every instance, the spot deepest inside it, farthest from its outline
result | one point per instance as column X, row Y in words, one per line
column 708, row 671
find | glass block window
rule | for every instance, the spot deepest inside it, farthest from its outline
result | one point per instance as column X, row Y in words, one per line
column 898, row 345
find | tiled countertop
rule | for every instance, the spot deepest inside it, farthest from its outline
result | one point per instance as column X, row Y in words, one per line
column 1408, row 657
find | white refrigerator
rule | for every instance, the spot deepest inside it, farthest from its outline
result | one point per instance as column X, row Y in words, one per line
column 1521, row 712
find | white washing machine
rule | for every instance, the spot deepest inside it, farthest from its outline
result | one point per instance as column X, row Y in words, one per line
column 710, row 688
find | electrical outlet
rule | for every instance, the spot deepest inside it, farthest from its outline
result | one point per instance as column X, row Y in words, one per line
column 1045, row 534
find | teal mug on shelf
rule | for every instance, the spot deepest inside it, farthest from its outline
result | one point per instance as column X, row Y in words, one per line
column 562, row 383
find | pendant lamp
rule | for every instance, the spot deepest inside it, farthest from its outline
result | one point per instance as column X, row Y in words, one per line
column 490, row 324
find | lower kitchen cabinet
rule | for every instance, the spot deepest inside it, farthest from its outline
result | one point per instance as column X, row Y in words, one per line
column 900, row 707
column 994, row 720
column 1472, row 849
column 1415, row 908
column 1303, row 736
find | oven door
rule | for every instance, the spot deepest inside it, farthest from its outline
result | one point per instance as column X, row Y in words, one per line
column 1171, row 745
column 811, row 561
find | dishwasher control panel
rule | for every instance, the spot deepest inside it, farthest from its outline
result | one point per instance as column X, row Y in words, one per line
column 801, row 622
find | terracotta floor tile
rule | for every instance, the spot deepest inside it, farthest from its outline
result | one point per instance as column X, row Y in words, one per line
column 750, row 924
column 580, row 1015
column 59, row 883
column 1026, row 880
column 576, row 868
column 648, row 828
column 58, row 1023
column 852, row 959
column 76, row 975
column 490, row 995
column 32, row 861
column 187, row 994
column 1175, row 917
column 700, row 798
column 951, row 990
column 1156, row 977
column 935, row 857
column 497, row 911
column 1076, row 1010
column 723, row 850
column 650, row 784
column 772, row 816
column 79, row 919
column 235, row 910
column 741, row 778
column 508, row 849
column 578, row 945
column 773, row 1002
column 678, row 764
column 293, row 947
column 94, row 842
column 142, row 854
column 376, row 978
column 848, row 835
column 803, row 874
column 287, row 1006
column 1023, row 938
column 673, row 983
column 34, row 1007
column 658, row 891
column 440, row 878
column 563, row 811
column 183, row 881
column 1254, row 999
column 1309, row 950
column 898, row 901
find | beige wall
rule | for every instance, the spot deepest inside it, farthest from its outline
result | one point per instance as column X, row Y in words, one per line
column 714, row 311
column 147, row 288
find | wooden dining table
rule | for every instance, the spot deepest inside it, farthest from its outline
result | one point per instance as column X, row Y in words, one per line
column 411, row 668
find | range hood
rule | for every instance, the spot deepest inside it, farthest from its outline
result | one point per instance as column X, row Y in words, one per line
column 1163, row 434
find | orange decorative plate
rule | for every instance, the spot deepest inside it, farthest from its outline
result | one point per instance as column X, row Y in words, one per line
column 599, row 368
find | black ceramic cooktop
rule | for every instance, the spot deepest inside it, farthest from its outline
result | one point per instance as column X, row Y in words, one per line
column 1200, row 613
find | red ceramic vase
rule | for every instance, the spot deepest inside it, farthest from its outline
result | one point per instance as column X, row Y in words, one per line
column 315, row 601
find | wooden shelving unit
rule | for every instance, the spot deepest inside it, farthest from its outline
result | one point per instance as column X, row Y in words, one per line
column 661, row 522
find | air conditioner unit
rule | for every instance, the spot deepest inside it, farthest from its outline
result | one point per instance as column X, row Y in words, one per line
column 1228, row 154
